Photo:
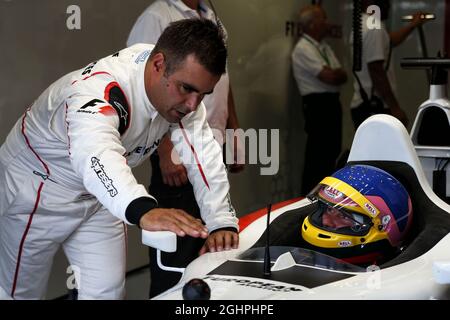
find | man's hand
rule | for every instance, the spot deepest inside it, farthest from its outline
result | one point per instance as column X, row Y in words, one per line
column 236, row 167
column 174, row 175
column 173, row 172
column 334, row 77
column 400, row 35
column 174, row 220
column 239, row 149
column 219, row 241
column 238, row 157
column 418, row 19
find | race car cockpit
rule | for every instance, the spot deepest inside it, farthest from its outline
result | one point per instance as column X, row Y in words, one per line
column 392, row 153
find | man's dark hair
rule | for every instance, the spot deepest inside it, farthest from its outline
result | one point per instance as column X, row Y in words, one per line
column 200, row 37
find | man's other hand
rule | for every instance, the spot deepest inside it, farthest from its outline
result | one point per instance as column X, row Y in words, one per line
column 219, row 241
column 173, row 171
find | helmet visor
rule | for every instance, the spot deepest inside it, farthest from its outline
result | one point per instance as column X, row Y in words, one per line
column 340, row 220
column 340, row 213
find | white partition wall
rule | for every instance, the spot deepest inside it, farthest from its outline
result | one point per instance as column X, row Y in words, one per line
column 261, row 37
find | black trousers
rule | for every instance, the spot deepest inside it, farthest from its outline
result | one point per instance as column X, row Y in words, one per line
column 187, row 247
column 362, row 112
column 323, row 125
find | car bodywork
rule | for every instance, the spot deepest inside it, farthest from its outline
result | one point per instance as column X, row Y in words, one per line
column 420, row 271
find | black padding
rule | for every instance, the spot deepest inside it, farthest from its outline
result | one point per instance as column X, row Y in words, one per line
column 434, row 128
column 302, row 276
column 138, row 207
column 285, row 230
column 118, row 101
column 430, row 222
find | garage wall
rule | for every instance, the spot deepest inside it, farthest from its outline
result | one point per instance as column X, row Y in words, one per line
column 265, row 92
column 411, row 85
column 36, row 48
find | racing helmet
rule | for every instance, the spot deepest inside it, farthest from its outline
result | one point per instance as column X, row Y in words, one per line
column 361, row 214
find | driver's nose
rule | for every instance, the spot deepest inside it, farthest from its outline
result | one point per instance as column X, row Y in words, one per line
column 327, row 221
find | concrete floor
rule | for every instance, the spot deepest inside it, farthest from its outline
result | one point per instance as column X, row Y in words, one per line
column 138, row 284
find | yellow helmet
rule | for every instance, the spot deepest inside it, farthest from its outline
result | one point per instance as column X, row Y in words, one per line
column 362, row 213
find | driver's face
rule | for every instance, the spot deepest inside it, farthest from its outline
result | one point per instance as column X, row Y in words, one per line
column 335, row 219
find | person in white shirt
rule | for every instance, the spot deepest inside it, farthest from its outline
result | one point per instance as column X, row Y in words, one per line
column 318, row 74
column 169, row 180
column 376, row 79
column 65, row 167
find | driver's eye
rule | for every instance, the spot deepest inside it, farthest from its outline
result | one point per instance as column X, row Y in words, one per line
column 342, row 216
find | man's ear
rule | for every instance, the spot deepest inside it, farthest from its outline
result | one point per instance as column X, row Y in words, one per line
column 158, row 62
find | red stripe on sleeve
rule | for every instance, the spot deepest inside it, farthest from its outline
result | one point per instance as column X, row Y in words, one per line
column 195, row 156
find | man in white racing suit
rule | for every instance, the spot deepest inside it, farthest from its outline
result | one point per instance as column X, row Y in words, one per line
column 65, row 168
column 169, row 182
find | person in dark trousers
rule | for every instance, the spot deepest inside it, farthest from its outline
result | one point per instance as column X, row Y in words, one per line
column 375, row 83
column 319, row 75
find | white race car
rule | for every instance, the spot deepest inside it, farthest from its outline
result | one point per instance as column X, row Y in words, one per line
column 420, row 271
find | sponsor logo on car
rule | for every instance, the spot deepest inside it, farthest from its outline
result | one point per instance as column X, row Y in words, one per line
column 255, row 284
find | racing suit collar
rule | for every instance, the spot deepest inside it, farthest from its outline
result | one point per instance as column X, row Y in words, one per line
column 145, row 101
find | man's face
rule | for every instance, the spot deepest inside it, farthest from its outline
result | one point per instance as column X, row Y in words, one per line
column 335, row 219
column 177, row 94
column 322, row 23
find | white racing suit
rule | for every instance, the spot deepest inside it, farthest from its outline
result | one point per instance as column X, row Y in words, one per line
column 65, row 166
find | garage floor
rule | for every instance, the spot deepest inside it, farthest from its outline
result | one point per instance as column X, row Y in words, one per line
column 138, row 284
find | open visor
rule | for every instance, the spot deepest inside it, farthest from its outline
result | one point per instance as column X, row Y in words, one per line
column 341, row 208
